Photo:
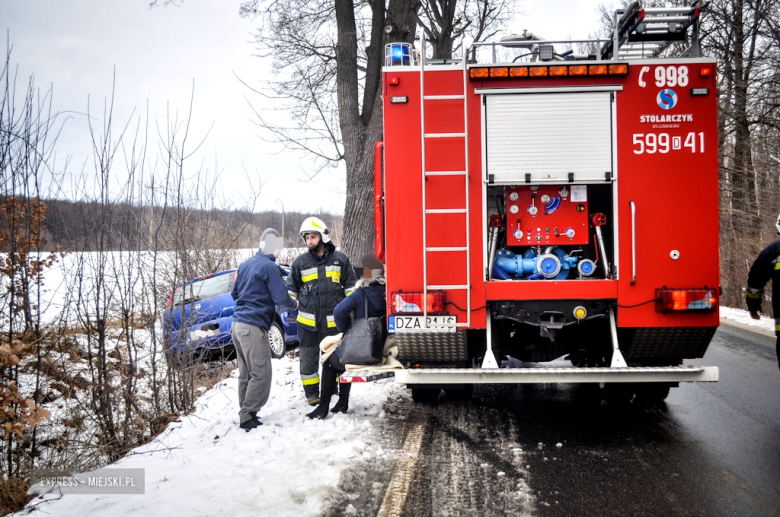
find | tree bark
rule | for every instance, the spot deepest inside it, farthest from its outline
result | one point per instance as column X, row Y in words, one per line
column 360, row 132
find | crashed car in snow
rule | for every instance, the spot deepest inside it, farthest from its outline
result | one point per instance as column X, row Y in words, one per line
column 199, row 316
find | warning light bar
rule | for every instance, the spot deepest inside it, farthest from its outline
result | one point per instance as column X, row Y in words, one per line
column 501, row 72
column 700, row 299
column 403, row 302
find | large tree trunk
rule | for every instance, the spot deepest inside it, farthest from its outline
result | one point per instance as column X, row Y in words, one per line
column 359, row 132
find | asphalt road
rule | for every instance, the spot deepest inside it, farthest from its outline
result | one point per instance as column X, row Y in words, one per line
column 562, row 450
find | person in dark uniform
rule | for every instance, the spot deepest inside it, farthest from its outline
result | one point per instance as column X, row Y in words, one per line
column 319, row 280
column 765, row 267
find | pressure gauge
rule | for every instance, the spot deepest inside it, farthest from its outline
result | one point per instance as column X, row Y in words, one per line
column 514, row 209
column 531, row 210
column 513, row 196
column 563, row 192
column 545, row 199
column 570, row 233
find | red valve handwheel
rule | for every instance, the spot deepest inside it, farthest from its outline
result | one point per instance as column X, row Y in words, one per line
column 599, row 219
column 495, row 221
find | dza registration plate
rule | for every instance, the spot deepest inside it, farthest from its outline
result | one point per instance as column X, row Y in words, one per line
column 422, row 323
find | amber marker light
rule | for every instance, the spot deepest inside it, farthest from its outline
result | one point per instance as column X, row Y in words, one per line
column 597, row 70
column 618, row 69
column 705, row 71
column 499, row 72
column 478, row 73
column 578, row 70
column 518, row 71
column 537, row 71
column 558, row 71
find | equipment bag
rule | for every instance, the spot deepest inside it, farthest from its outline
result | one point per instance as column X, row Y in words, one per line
column 364, row 341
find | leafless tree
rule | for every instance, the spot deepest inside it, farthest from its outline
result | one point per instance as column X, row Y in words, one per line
column 328, row 57
column 28, row 133
column 447, row 23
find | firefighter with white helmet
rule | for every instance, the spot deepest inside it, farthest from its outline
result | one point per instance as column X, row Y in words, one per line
column 766, row 267
column 319, row 280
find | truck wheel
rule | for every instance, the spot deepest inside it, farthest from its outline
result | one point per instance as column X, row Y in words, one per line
column 276, row 340
column 460, row 394
column 425, row 395
column 653, row 392
column 618, row 394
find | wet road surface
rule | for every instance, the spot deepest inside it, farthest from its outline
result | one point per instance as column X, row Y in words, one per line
column 560, row 450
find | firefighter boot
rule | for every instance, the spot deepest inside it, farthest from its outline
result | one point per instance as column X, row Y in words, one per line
column 343, row 404
column 326, row 391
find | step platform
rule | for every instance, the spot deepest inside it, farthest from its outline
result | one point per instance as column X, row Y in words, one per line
column 573, row 375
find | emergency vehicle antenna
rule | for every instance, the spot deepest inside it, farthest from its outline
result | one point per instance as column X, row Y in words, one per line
column 430, row 169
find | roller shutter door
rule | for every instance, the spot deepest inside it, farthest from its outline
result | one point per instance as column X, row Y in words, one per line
column 549, row 135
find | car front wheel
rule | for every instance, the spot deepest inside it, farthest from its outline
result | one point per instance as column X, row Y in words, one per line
column 276, row 340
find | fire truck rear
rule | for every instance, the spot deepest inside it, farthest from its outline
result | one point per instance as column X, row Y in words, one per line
column 544, row 199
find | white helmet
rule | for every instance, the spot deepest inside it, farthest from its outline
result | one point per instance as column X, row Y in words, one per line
column 314, row 224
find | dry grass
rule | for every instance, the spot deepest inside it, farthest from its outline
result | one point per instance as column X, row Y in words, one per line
column 13, row 494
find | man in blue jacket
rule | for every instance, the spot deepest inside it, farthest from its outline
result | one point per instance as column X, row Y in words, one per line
column 258, row 287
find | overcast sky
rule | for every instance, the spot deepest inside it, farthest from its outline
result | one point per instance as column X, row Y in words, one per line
column 159, row 53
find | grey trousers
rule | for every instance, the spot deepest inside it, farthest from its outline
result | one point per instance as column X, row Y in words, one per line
column 254, row 368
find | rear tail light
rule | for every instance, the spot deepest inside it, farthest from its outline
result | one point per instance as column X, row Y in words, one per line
column 170, row 300
column 702, row 299
column 403, row 302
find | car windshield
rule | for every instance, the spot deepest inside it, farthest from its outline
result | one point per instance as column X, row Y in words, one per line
column 203, row 289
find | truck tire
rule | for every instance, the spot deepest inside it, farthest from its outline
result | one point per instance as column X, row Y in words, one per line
column 618, row 394
column 425, row 395
column 276, row 340
column 460, row 394
column 653, row 392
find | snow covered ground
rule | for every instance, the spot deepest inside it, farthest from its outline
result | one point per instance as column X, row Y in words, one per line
column 740, row 317
column 206, row 465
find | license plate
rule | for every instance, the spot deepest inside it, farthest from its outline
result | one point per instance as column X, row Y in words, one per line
column 421, row 323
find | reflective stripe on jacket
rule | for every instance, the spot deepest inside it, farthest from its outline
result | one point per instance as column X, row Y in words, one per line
column 319, row 284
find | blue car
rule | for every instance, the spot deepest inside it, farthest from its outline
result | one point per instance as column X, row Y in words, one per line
column 199, row 316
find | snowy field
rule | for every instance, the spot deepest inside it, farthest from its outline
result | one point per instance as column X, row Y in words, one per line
column 206, row 465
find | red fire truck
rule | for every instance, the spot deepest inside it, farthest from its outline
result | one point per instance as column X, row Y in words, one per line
column 542, row 199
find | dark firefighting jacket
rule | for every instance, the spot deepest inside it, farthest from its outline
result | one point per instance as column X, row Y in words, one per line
column 319, row 284
column 766, row 267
